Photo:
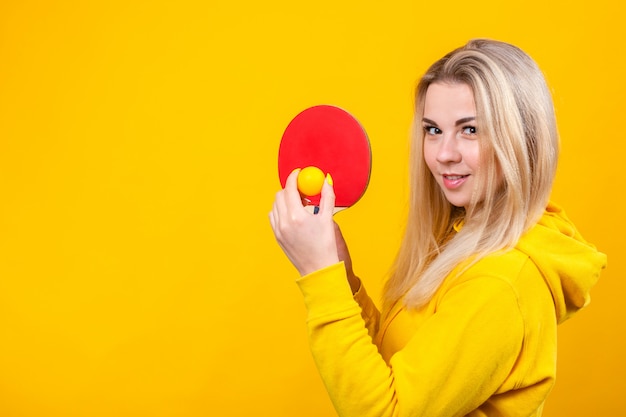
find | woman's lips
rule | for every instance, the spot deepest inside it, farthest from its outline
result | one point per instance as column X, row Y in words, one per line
column 452, row 181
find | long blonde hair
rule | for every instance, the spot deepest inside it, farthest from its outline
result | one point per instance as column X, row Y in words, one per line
column 519, row 150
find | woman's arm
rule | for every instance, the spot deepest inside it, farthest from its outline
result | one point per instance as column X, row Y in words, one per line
column 452, row 364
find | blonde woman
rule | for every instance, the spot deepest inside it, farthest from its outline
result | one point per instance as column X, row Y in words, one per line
column 487, row 268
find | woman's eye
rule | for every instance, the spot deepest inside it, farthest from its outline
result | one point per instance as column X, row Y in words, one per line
column 469, row 130
column 432, row 130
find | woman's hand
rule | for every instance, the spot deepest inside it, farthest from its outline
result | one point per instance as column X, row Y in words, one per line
column 308, row 239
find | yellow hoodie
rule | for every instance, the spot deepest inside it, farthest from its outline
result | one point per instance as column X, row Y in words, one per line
column 485, row 345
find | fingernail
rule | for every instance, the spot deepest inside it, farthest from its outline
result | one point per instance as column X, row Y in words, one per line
column 297, row 169
column 316, row 209
column 329, row 179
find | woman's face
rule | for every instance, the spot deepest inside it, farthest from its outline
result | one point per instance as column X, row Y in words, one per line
column 451, row 148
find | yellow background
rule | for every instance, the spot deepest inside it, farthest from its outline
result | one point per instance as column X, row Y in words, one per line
column 138, row 144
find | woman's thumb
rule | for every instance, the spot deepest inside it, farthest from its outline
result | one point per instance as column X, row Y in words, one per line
column 327, row 201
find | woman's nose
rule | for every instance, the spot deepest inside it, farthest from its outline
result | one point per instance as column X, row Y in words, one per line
column 448, row 150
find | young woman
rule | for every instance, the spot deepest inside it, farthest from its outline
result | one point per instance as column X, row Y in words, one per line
column 487, row 268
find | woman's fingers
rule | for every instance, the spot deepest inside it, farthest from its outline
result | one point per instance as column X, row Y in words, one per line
column 293, row 199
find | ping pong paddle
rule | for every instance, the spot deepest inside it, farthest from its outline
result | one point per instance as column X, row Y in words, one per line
column 332, row 140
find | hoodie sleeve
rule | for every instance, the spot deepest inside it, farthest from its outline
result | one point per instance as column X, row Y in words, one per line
column 452, row 364
column 369, row 312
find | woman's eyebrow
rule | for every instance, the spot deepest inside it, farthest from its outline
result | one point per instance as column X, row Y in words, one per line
column 458, row 122
column 464, row 120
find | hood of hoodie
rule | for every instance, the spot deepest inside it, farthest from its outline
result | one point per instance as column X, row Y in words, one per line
column 569, row 264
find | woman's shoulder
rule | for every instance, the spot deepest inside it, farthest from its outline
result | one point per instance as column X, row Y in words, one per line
column 507, row 275
column 503, row 264
column 508, row 268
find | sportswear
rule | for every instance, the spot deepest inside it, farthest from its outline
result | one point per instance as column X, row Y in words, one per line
column 484, row 345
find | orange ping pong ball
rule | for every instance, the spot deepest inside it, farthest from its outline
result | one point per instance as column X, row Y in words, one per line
column 310, row 181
